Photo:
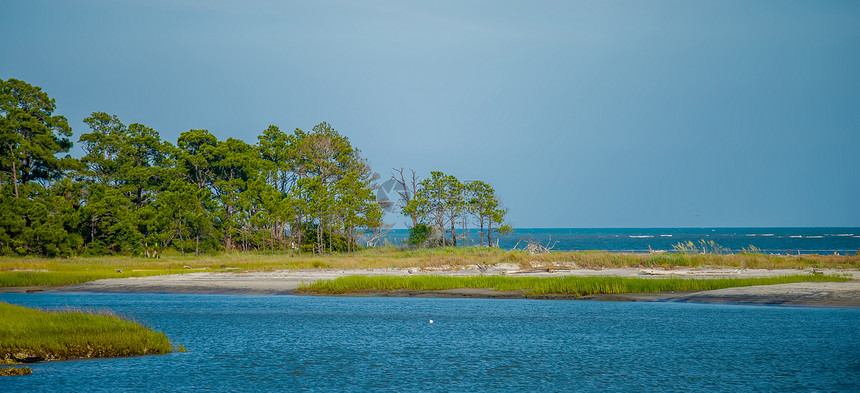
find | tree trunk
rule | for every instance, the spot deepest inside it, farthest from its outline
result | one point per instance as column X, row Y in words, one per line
column 14, row 172
column 228, row 241
column 181, row 238
column 320, row 236
column 300, row 231
column 15, row 179
column 465, row 234
column 405, row 194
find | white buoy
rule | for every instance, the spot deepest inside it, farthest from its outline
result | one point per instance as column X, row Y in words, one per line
column 431, row 321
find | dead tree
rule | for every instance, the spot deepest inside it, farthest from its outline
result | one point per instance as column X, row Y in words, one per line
column 407, row 191
column 534, row 247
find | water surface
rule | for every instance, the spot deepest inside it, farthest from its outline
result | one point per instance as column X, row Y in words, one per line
column 289, row 343
column 768, row 240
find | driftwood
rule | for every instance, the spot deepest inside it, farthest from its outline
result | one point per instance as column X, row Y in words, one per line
column 534, row 247
column 377, row 235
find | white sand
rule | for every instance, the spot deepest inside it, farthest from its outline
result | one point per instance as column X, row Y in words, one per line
column 286, row 281
column 834, row 294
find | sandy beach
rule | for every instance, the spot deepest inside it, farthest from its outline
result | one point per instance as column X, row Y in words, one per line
column 827, row 294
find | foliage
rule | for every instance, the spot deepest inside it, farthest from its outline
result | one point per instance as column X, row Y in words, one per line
column 419, row 235
column 443, row 202
column 30, row 135
column 43, row 224
column 134, row 194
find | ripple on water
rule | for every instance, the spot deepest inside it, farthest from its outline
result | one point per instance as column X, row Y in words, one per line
column 277, row 343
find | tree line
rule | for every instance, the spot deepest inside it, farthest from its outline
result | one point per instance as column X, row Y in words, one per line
column 442, row 207
column 133, row 193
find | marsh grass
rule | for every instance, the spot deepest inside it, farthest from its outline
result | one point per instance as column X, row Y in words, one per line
column 604, row 260
column 704, row 247
column 15, row 371
column 21, row 272
column 73, row 333
column 544, row 286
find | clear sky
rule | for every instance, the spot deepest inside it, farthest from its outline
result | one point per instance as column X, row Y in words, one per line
column 580, row 114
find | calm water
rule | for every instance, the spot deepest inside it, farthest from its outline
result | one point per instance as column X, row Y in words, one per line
column 289, row 343
column 769, row 240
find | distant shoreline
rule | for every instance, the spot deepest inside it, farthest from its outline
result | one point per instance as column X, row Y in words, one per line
column 824, row 294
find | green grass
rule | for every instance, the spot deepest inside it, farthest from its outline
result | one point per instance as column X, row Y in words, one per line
column 72, row 334
column 30, row 271
column 542, row 286
column 15, row 371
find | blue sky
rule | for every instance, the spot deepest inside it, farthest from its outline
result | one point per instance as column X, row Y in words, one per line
column 580, row 114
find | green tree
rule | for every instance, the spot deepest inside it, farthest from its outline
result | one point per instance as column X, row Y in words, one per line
column 132, row 161
column 144, row 163
column 266, row 214
column 483, row 203
column 234, row 163
column 486, row 209
column 455, row 204
column 195, row 161
column 103, row 148
column 31, row 135
column 438, row 201
column 196, row 156
column 498, row 217
column 45, row 223
column 324, row 158
column 110, row 221
column 441, row 200
column 133, row 192
column 280, row 150
column 35, row 216
column 356, row 206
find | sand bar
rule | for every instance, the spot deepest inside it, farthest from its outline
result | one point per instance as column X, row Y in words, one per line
column 845, row 294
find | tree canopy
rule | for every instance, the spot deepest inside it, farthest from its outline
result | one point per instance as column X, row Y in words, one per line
column 444, row 203
column 133, row 193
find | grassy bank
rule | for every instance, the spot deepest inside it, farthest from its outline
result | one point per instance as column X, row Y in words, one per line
column 70, row 334
column 15, row 371
column 20, row 272
column 540, row 286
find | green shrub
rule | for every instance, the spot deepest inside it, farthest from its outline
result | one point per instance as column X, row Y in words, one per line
column 418, row 235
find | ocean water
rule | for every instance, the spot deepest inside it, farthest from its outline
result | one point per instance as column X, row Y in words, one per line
column 293, row 343
column 769, row 240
